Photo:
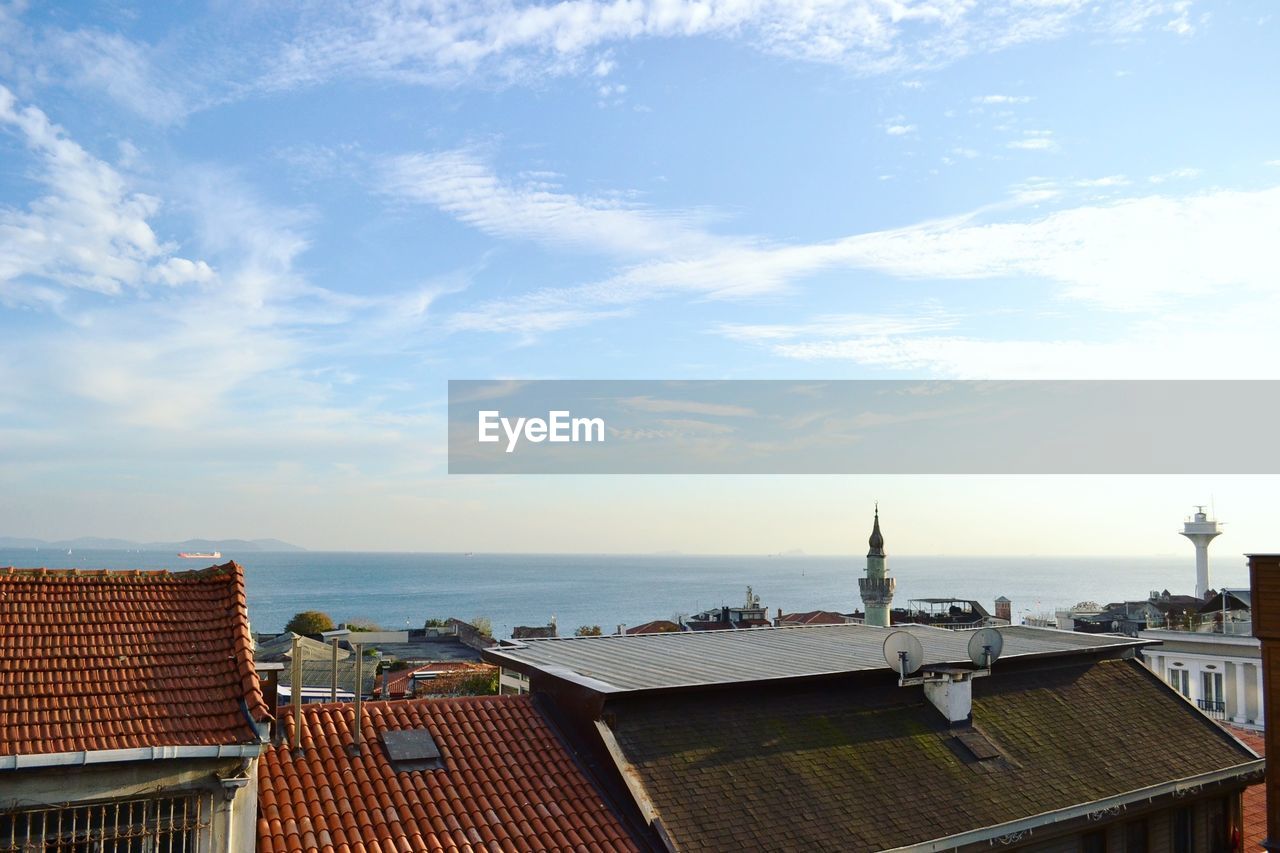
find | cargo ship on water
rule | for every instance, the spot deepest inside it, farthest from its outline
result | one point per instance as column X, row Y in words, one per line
column 200, row 555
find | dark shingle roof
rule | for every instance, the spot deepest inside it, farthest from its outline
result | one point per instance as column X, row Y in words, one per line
column 657, row 626
column 855, row 766
column 99, row 660
column 814, row 617
column 616, row 663
column 507, row 783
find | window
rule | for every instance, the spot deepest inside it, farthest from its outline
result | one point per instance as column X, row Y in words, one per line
column 1218, row 824
column 1135, row 837
column 1211, row 700
column 1094, row 842
column 1181, row 681
column 1183, row 831
column 169, row 825
column 1211, row 686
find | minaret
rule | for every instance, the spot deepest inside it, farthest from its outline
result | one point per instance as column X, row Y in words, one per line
column 1201, row 531
column 876, row 588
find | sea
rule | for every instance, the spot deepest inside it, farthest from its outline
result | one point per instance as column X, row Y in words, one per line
column 403, row 590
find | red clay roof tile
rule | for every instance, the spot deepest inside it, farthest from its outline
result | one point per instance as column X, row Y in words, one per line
column 115, row 660
column 1255, row 796
column 499, row 756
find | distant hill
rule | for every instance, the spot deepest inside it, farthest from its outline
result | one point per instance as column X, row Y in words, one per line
column 97, row 543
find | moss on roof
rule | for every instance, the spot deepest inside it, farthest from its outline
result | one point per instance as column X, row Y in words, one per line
column 858, row 767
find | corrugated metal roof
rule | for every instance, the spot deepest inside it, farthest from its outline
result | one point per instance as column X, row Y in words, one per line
column 615, row 663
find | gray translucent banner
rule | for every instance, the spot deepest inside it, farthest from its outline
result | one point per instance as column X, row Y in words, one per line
column 863, row 427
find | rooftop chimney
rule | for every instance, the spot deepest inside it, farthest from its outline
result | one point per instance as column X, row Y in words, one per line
column 1004, row 609
column 951, row 692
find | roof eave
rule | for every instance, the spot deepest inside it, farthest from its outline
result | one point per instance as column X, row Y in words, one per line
column 85, row 758
column 1247, row 773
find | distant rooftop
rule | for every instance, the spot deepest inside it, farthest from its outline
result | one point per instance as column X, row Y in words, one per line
column 616, row 664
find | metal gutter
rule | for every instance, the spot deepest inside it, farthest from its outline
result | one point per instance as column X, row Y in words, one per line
column 994, row 835
column 141, row 753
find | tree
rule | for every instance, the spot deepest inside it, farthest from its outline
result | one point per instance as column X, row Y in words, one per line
column 588, row 631
column 483, row 625
column 357, row 625
column 309, row 622
column 436, row 623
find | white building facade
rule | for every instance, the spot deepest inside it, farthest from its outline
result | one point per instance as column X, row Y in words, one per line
column 1220, row 673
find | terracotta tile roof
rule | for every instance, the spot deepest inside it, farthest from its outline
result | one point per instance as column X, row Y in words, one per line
column 93, row 660
column 830, row 767
column 401, row 680
column 507, row 783
column 1255, row 796
column 813, row 617
column 657, row 626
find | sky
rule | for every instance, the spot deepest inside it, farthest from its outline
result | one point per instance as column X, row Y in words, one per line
column 244, row 246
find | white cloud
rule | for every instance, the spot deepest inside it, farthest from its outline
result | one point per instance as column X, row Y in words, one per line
column 239, row 332
column 1230, row 342
column 1181, row 22
column 122, row 69
column 501, row 42
column 447, row 42
column 463, row 185
column 89, row 230
column 899, row 129
column 1034, row 140
column 837, row 326
column 1107, row 181
column 1127, row 255
column 1176, row 174
column 1002, row 99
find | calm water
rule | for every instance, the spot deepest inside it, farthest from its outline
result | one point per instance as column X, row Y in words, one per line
column 396, row 590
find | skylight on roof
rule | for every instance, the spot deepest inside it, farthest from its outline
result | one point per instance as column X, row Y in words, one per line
column 412, row 749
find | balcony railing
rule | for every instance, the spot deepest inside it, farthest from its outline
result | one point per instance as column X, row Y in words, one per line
column 1215, row 709
column 1205, row 624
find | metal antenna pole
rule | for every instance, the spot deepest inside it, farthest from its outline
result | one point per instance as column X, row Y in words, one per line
column 333, row 672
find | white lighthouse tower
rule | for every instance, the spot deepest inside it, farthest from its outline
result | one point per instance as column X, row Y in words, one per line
column 1201, row 530
column 876, row 588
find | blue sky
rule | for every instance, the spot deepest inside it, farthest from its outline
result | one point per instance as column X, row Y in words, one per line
column 243, row 246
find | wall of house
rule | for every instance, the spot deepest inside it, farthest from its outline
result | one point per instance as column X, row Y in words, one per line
column 59, row 786
column 1238, row 659
column 1159, row 823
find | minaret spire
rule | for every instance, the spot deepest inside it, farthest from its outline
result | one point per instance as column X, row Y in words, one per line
column 876, row 588
column 877, row 538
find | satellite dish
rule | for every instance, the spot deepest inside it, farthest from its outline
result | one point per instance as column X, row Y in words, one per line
column 985, row 647
column 903, row 653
